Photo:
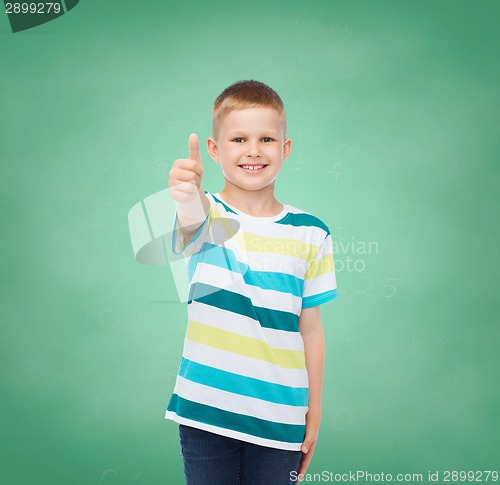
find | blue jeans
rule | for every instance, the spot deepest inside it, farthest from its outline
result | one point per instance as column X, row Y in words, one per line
column 212, row 459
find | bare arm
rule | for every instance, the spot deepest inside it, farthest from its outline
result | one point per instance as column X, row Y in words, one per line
column 311, row 331
column 189, row 223
column 184, row 181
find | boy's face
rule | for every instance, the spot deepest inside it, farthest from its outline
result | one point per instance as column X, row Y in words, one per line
column 254, row 137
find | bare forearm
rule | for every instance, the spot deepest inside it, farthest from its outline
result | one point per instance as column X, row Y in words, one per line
column 311, row 331
column 312, row 335
column 314, row 348
column 192, row 214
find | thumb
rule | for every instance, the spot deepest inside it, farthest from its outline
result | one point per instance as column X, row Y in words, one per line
column 305, row 446
column 194, row 147
column 307, row 443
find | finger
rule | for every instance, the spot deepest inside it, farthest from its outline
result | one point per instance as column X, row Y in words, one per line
column 306, row 445
column 191, row 165
column 187, row 175
column 194, row 147
column 306, row 457
column 184, row 187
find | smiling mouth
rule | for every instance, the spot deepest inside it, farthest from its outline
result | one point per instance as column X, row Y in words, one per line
column 253, row 168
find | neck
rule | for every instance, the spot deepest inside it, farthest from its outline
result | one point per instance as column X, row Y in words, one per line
column 259, row 203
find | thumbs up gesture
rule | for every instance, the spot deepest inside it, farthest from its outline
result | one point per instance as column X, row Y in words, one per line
column 184, row 179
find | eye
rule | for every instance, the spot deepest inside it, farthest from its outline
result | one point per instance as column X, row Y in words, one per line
column 268, row 138
column 239, row 138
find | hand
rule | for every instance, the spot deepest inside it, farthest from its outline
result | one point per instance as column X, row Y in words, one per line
column 309, row 443
column 184, row 179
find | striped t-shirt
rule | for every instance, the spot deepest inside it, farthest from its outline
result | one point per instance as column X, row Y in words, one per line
column 243, row 372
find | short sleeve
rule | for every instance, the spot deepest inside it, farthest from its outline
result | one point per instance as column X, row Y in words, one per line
column 195, row 244
column 320, row 284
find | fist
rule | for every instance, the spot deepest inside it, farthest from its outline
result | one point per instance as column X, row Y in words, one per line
column 184, row 178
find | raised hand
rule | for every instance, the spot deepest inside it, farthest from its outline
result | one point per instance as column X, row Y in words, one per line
column 186, row 174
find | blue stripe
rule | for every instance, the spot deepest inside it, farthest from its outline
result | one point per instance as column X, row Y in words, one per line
column 271, row 280
column 243, row 385
column 201, row 413
column 243, row 305
column 303, row 219
column 217, row 256
column 227, row 209
column 267, row 280
column 318, row 299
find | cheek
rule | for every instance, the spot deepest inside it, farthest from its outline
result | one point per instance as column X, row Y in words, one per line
column 228, row 153
column 276, row 152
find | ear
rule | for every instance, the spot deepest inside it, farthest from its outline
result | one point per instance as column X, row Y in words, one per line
column 213, row 149
column 286, row 148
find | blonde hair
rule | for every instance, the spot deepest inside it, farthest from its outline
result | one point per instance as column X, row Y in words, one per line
column 243, row 95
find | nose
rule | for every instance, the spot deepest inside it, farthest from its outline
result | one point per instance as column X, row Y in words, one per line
column 253, row 149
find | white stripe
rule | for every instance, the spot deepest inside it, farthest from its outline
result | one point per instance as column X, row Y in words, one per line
column 276, row 230
column 236, row 403
column 282, row 445
column 280, row 231
column 278, row 263
column 242, row 365
column 271, row 262
column 232, row 281
column 319, row 284
column 245, row 326
column 219, row 277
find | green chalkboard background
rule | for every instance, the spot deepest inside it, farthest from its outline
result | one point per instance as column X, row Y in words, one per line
column 393, row 109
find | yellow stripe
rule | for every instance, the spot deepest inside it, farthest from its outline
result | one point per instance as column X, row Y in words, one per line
column 214, row 211
column 277, row 245
column 321, row 266
column 247, row 346
column 225, row 227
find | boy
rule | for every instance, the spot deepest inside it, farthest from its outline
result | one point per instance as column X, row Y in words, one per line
column 248, row 393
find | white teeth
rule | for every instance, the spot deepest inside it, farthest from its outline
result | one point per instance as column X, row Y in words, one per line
column 251, row 167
